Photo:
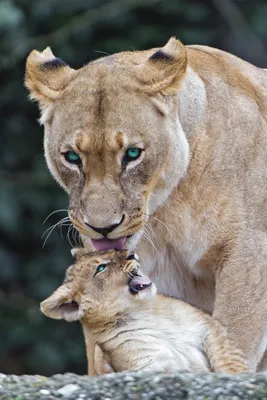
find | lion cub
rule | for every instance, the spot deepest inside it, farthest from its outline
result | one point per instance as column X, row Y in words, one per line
column 136, row 328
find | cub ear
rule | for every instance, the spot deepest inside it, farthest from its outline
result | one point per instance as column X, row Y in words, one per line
column 60, row 305
column 78, row 252
column 165, row 69
column 46, row 76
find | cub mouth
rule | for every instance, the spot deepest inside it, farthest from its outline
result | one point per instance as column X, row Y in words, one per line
column 138, row 283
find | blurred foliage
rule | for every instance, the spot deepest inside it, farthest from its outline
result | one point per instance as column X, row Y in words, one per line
column 77, row 31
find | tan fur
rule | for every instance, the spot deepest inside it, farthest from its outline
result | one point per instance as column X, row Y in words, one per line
column 194, row 204
column 143, row 331
column 93, row 356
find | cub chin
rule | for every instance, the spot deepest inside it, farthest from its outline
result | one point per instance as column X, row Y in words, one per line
column 135, row 327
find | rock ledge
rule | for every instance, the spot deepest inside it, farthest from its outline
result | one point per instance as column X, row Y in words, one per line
column 135, row 386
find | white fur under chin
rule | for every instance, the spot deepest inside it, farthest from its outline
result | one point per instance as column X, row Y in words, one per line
column 146, row 294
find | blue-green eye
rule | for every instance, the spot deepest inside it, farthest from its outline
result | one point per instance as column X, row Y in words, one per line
column 100, row 268
column 72, row 157
column 132, row 154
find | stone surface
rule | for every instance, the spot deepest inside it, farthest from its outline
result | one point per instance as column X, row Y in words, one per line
column 68, row 390
column 44, row 392
column 135, row 386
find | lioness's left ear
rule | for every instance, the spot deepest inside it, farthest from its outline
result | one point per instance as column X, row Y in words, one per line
column 165, row 69
column 46, row 76
column 60, row 305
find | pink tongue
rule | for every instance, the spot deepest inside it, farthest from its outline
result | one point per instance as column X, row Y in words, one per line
column 105, row 244
column 140, row 280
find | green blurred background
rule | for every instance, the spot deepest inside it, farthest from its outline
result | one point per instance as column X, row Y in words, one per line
column 78, row 31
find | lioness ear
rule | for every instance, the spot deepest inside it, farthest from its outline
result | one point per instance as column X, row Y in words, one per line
column 60, row 305
column 165, row 69
column 46, row 76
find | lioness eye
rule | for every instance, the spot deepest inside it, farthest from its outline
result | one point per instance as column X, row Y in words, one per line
column 132, row 154
column 72, row 157
column 100, row 268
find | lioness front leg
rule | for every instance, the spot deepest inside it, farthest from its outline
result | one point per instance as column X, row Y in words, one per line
column 221, row 354
column 241, row 296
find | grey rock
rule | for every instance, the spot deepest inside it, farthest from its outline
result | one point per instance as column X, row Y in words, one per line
column 68, row 390
column 136, row 386
column 45, row 392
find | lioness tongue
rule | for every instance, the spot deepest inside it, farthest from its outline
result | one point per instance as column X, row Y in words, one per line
column 105, row 244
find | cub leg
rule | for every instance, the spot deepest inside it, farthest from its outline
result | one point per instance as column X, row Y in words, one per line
column 98, row 362
column 90, row 352
column 102, row 362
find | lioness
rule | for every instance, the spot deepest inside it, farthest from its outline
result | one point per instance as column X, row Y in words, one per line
column 136, row 328
column 164, row 151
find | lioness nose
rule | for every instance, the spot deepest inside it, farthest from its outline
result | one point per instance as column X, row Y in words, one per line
column 107, row 229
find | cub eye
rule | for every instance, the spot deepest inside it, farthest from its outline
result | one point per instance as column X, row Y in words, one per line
column 132, row 154
column 72, row 157
column 100, row 268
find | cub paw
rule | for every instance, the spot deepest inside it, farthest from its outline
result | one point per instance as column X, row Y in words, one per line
column 130, row 266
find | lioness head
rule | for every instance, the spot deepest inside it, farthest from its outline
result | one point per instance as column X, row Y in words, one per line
column 99, row 286
column 112, row 136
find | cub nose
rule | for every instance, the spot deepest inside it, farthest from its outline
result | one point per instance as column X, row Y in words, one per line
column 131, row 256
column 107, row 229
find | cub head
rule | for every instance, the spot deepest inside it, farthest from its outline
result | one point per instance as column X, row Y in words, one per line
column 113, row 139
column 99, row 287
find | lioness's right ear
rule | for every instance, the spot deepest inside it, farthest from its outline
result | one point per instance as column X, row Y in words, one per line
column 165, row 69
column 46, row 76
column 60, row 305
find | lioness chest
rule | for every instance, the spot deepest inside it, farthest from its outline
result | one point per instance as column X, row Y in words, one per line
column 170, row 272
